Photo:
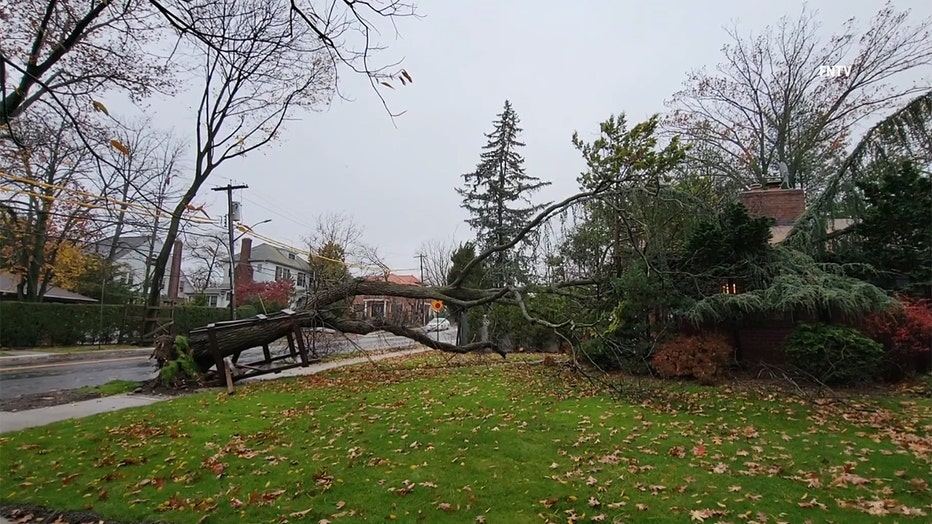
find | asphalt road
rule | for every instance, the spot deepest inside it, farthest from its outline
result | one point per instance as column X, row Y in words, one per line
column 39, row 376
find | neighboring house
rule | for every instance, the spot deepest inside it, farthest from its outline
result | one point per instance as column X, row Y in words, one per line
column 8, row 284
column 396, row 310
column 263, row 263
column 132, row 254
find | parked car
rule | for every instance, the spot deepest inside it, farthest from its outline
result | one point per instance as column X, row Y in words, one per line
column 437, row 324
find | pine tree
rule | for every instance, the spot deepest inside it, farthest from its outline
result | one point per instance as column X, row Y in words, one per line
column 497, row 196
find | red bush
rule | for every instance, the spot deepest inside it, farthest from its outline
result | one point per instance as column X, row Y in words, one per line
column 704, row 357
column 906, row 335
column 267, row 296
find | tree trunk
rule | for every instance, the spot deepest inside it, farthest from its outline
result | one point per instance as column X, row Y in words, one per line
column 236, row 338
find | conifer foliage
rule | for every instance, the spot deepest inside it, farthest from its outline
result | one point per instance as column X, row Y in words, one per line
column 497, row 197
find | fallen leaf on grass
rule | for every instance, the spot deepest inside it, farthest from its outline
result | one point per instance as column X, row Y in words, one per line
column 919, row 484
column 296, row 514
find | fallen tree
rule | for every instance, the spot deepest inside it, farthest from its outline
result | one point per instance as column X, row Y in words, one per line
column 316, row 309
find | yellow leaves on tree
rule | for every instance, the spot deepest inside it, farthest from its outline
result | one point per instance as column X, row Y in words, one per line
column 70, row 264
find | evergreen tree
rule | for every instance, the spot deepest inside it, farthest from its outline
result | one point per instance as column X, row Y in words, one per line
column 894, row 230
column 497, row 196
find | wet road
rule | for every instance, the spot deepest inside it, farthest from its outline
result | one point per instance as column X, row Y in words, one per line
column 40, row 376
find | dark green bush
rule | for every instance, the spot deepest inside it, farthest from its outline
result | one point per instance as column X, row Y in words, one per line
column 31, row 324
column 832, row 354
column 27, row 324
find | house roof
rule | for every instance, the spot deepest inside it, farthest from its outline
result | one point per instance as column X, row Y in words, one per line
column 396, row 279
column 779, row 233
column 125, row 246
column 277, row 256
column 52, row 294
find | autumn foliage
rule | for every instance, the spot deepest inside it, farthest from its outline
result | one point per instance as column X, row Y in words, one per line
column 265, row 296
column 906, row 335
column 703, row 357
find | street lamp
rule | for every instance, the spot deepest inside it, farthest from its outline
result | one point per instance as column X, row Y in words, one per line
column 245, row 229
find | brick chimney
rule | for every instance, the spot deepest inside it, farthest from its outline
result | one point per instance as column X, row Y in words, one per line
column 174, row 278
column 782, row 205
column 243, row 268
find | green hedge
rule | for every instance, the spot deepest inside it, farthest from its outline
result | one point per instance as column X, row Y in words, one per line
column 29, row 324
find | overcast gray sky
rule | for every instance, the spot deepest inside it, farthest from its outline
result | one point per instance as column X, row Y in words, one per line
column 565, row 66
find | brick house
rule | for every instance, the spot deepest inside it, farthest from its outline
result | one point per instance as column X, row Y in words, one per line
column 759, row 338
column 397, row 310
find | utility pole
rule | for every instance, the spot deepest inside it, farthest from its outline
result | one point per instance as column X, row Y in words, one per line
column 421, row 257
column 229, row 189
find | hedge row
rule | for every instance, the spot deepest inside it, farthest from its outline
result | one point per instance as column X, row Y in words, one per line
column 27, row 324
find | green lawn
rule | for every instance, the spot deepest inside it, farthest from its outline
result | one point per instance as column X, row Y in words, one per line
column 114, row 387
column 476, row 439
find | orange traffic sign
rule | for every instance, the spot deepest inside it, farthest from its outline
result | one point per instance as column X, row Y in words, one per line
column 437, row 305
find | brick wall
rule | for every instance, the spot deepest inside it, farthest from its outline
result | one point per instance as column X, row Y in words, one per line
column 763, row 342
column 783, row 205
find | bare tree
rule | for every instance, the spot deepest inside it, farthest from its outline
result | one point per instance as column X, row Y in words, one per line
column 68, row 52
column 436, row 260
column 209, row 254
column 771, row 103
column 43, row 166
column 259, row 67
column 138, row 184
column 336, row 228
column 268, row 70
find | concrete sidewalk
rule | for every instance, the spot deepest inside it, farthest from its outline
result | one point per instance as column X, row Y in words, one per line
column 17, row 420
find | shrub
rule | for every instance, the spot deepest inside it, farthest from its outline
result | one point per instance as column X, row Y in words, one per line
column 703, row 357
column 181, row 370
column 833, row 355
column 906, row 336
column 30, row 324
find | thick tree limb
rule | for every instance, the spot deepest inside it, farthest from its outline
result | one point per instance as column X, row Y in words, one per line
column 364, row 328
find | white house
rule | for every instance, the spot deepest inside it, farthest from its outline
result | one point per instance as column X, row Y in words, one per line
column 136, row 256
column 269, row 263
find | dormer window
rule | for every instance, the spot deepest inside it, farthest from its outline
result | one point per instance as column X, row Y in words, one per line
column 292, row 256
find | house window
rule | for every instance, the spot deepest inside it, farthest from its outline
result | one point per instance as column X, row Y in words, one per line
column 730, row 287
column 286, row 274
column 292, row 256
column 278, row 273
column 302, row 282
column 212, row 300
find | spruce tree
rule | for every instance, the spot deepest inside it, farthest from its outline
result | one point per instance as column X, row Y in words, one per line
column 497, row 196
